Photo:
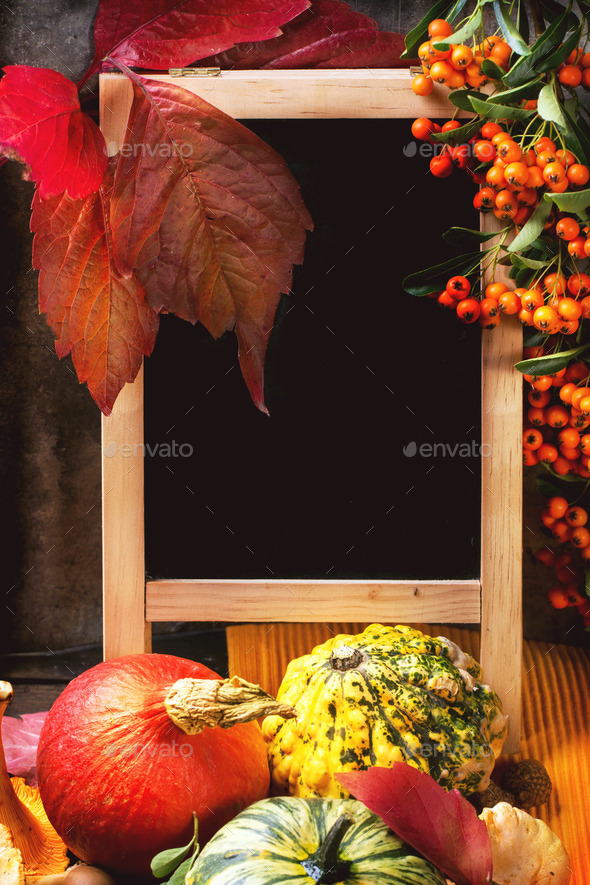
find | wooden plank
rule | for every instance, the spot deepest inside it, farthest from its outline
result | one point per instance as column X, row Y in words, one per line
column 309, row 95
column 501, row 511
column 123, row 548
column 123, row 545
column 304, row 601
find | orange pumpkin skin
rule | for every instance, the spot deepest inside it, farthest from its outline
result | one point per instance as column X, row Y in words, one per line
column 120, row 781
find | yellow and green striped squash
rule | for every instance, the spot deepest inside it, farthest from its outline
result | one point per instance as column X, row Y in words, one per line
column 386, row 695
column 310, row 842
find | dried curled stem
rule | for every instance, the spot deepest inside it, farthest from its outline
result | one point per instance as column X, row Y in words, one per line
column 194, row 704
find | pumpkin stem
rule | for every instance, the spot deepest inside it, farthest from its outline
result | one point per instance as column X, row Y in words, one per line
column 324, row 865
column 194, row 704
column 344, row 657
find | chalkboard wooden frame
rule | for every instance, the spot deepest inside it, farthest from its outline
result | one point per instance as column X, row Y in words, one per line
column 130, row 604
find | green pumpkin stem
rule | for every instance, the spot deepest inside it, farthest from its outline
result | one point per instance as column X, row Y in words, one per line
column 324, row 865
column 194, row 704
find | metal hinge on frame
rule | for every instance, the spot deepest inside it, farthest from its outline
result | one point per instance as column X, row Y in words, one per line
column 194, row 72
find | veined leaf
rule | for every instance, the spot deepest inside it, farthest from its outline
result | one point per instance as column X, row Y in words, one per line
column 531, row 230
column 546, row 365
column 532, row 337
column 98, row 315
column 492, row 70
column 519, row 93
column 329, row 35
column 425, row 281
column 20, row 738
column 570, row 201
column 532, row 263
column 41, row 125
column 441, row 825
column 441, row 9
column 549, row 107
column 461, row 98
column 522, row 21
column 556, row 58
column 576, row 138
column 212, row 230
column 551, row 8
column 524, row 69
column 509, row 29
column 161, row 34
column 499, row 111
column 460, row 135
column 463, row 236
column 463, row 34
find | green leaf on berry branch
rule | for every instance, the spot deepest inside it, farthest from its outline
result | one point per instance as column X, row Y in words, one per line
column 461, row 98
column 499, row 111
column 531, row 230
column 442, row 9
column 549, row 107
column 519, row 93
column 463, row 236
column 559, row 55
column 424, row 282
column 98, row 315
column 553, row 362
column 525, row 68
column 570, row 201
column 474, row 23
column 214, row 228
column 509, row 29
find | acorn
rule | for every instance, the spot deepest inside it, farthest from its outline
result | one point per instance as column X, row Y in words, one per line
column 490, row 796
column 529, row 782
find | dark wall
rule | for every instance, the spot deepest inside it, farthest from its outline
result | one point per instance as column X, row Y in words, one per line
column 49, row 428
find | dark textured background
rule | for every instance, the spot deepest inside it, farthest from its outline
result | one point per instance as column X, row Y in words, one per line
column 49, row 427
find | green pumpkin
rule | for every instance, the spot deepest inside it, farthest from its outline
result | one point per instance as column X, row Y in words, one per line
column 312, row 842
column 389, row 694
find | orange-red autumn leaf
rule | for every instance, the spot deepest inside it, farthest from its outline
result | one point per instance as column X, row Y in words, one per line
column 159, row 34
column 97, row 314
column 209, row 217
column 41, row 125
column 329, row 34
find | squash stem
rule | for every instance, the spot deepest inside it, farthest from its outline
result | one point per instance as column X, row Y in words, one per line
column 194, row 704
column 324, row 865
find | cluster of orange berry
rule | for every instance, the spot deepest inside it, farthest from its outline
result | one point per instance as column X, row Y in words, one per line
column 570, row 577
column 517, row 176
column 557, row 415
column 459, row 65
column 575, row 71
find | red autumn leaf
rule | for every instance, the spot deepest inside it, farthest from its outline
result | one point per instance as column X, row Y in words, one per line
column 212, row 220
column 441, row 825
column 159, row 34
column 96, row 313
column 20, row 738
column 41, row 125
column 329, row 32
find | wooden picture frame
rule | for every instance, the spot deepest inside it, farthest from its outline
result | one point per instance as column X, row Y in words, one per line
column 493, row 601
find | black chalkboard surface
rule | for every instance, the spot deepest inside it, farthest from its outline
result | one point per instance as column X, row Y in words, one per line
column 368, row 466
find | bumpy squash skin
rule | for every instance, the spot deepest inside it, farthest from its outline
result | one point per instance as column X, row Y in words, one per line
column 406, row 701
column 265, row 844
